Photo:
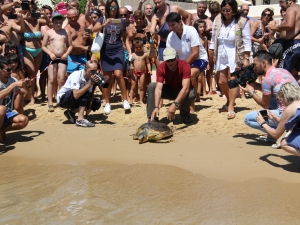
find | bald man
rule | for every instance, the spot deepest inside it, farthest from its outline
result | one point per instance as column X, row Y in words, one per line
column 81, row 41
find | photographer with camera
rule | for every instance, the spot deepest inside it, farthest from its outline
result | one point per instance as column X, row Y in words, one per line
column 273, row 78
column 77, row 94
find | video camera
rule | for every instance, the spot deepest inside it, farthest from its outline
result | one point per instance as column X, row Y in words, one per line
column 244, row 75
column 102, row 81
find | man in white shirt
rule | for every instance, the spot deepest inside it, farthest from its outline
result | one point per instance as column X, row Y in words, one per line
column 185, row 40
column 77, row 94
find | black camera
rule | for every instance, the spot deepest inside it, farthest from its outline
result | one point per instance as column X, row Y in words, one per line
column 244, row 75
column 102, row 81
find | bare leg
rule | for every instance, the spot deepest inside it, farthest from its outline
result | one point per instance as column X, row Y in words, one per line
column 106, row 91
column 142, row 87
column 233, row 92
column 210, row 72
column 18, row 104
column 52, row 77
column 43, row 83
column 198, row 90
column 17, row 123
column 114, row 85
column 221, row 79
column 61, row 75
column 195, row 72
column 120, row 79
column 203, row 84
column 132, row 88
column 288, row 148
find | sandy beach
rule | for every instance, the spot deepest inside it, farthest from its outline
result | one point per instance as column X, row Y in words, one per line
column 212, row 151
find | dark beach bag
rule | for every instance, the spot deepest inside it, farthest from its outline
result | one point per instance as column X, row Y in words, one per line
column 277, row 48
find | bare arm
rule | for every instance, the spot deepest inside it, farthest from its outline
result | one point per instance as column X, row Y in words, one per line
column 45, row 44
column 87, row 12
column 98, row 26
column 187, row 17
column 194, row 55
column 153, row 25
column 287, row 24
column 78, row 93
column 69, row 44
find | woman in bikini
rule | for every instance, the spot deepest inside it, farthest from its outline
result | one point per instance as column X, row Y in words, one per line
column 31, row 41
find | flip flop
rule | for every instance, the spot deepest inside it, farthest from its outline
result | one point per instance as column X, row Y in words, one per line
column 230, row 115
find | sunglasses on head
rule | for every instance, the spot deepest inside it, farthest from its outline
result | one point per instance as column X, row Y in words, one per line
column 113, row 7
column 226, row 10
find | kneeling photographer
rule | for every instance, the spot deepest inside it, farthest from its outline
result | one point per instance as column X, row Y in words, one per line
column 273, row 78
column 77, row 95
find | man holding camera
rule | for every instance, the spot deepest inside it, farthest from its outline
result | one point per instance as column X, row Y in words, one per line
column 271, row 83
column 173, row 81
column 77, row 94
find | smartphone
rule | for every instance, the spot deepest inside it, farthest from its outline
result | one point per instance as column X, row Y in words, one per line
column 131, row 17
column 25, row 5
column 264, row 114
column 140, row 31
column 35, row 15
column 12, row 16
column 88, row 30
column 95, row 2
column 116, row 21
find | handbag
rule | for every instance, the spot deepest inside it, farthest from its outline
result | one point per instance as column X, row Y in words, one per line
column 97, row 43
column 277, row 47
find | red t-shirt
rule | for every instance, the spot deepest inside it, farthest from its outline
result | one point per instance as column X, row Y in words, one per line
column 173, row 78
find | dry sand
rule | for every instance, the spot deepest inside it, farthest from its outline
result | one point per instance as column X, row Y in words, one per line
column 212, row 145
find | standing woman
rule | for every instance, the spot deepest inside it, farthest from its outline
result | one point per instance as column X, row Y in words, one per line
column 31, row 41
column 231, row 43
column 112, row 51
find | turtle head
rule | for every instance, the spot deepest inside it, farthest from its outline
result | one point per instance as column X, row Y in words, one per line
column 142, row 138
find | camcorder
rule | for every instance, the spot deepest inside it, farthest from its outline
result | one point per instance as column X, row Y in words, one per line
column 244, row 75
column 102, row 81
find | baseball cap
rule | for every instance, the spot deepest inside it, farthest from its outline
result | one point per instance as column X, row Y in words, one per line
column 129, row 8
column 169, row 53
column 57, row 15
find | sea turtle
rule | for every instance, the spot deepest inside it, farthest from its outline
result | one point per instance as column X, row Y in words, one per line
column 152, row 131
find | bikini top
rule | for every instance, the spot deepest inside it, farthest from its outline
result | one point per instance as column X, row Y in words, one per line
column 31, row 35
column 258, row 33
column 165, row 29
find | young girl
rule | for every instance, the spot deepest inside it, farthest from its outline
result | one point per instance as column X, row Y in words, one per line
column 200, row 26
column 18, row 73
column 139, row 69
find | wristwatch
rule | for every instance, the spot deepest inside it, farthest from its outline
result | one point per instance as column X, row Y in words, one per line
column 176, row 104
column 251, row 93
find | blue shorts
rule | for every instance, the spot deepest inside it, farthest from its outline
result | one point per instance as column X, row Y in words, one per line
column 291, row 56
column 201, row 64
column 161, row 47
column 76, row 62
column 9, row 114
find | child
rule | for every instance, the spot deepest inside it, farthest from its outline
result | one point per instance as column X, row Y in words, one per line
column 200, row 26
column 17, row 73
column 139, row 69
column 60, row 46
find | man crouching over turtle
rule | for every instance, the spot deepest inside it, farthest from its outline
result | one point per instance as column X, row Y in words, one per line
column 173, row 81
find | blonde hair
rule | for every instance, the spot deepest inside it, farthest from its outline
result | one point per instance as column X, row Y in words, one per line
column 289, row 92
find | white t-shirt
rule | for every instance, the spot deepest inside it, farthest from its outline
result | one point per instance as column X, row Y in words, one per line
column 183, row 46
column 75, row 81
column 8, row 101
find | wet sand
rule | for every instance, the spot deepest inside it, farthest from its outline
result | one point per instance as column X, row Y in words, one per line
column 213, row 171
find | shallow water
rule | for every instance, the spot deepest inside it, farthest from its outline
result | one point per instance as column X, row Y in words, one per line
column 139, row 194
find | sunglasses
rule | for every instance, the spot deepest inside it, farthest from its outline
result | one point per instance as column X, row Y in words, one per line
column 226, row 10
column 246, row 10
column 113, row 7
column 267, row 14
column 170, row 60
column 123, row 15
column 8, row 69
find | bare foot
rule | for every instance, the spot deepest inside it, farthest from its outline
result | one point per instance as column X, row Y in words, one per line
column 142, row 104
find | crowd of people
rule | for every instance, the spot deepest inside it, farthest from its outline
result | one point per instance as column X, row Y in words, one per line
column 194, row 55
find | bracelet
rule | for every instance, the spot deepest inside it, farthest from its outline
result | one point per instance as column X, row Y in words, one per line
column 261, row 125
column 156, row 107
column 251, row 93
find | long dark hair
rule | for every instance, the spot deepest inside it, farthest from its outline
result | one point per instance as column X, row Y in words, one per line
column 14, row 58
column 268, row 10
column 108, row 4
column 10, row 45
column 234, row 7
